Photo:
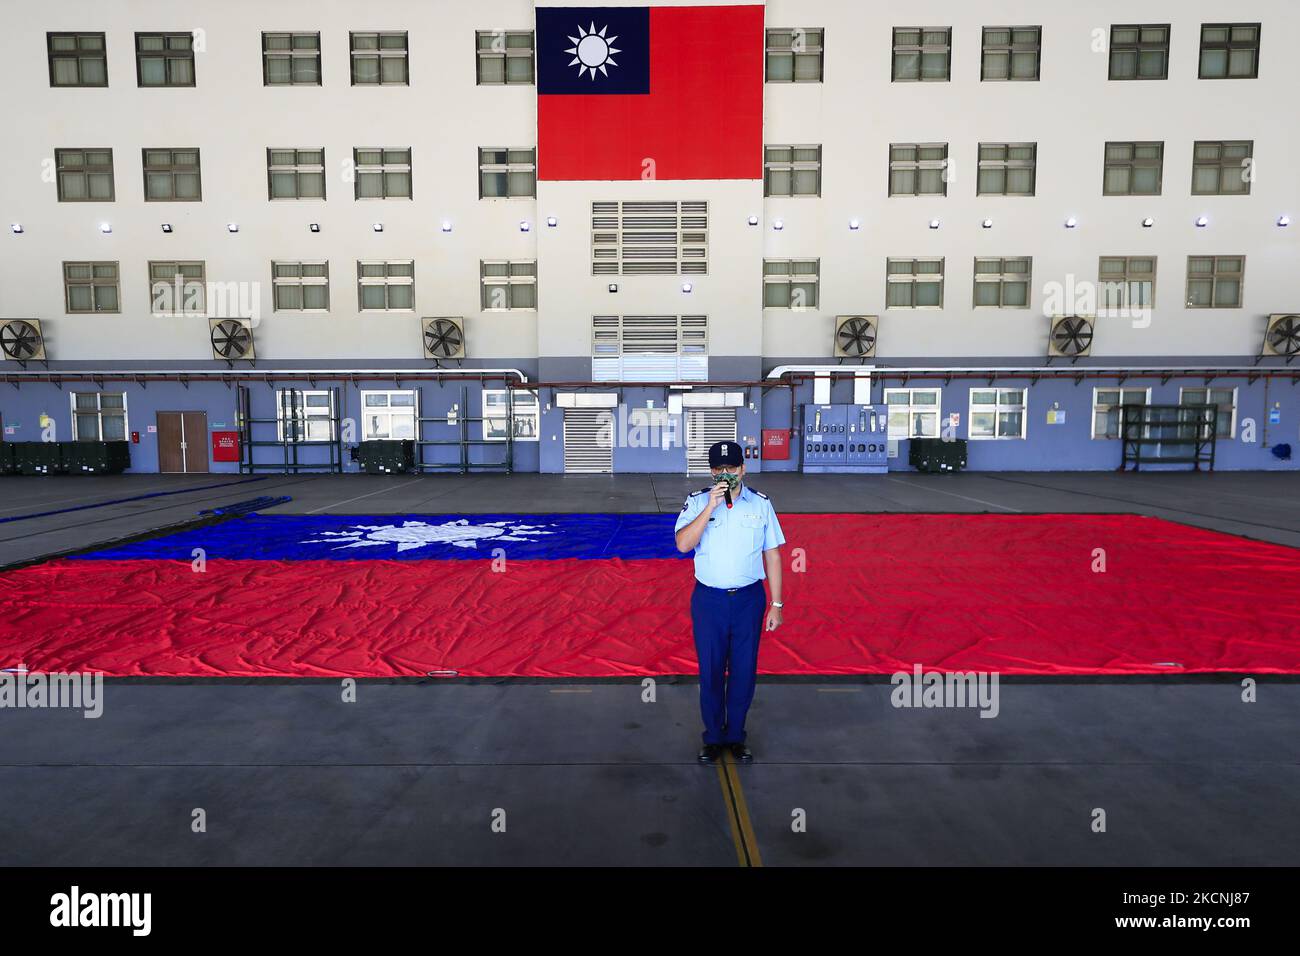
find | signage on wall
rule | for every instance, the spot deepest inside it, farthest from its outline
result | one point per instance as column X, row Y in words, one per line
column 1056, row 416
column 151, row 429
column 1275, row 416
column 11, row 429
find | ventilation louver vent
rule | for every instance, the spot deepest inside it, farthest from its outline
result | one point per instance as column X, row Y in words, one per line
column 664, row 238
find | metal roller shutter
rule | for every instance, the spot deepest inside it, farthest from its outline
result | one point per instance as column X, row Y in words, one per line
column 704, row 426
column 588, row 441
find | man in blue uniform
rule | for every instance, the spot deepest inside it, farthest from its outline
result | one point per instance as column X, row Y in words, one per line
column 737, row 542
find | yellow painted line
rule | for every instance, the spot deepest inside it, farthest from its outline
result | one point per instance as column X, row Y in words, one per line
column 742, row 828
column 741, row 858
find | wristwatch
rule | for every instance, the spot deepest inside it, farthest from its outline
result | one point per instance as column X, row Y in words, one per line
column 778, row 604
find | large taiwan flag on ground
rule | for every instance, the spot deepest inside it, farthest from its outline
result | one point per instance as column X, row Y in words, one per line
column 661, row 92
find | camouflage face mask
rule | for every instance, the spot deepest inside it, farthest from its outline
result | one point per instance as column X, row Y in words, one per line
column 733, row 481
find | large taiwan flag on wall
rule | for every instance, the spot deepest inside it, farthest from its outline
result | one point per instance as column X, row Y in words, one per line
column 660, row 92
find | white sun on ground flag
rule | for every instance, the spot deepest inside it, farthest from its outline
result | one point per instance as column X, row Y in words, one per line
column 592, row 51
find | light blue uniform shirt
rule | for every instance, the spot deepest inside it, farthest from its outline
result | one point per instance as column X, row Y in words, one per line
column 730, row 552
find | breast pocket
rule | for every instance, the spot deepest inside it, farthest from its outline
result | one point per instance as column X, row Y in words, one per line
column 754, row 530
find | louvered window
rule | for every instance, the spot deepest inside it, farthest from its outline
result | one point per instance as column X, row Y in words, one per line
column 649, row 238
column 650, row 348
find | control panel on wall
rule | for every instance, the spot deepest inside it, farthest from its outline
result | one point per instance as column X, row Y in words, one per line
column 845, row 438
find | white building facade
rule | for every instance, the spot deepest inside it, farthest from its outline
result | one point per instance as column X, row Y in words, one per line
column 958, row 173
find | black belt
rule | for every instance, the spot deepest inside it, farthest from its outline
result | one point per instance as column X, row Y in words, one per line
column 746, row 587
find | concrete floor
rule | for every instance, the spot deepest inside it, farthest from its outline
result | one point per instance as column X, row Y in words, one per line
column 415, row 772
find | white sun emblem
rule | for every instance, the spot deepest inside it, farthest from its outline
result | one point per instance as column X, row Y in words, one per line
column 592, row 51
column 418, row 534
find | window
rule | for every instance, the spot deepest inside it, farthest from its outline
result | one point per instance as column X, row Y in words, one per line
column 913, row 412
column 378, row 59
column 1007, row 169
column 301, row 286
column 84, row 175
column 386, row 286
column 90, row 287
column 291, row 59
column 77, row 59
column 164, row 59
column 172, row 175
column 388, row 415
column 914, row 284
column 507, row 285
column 295, row 173
column 1126, row 284
column 507, row 173
column 304, row 416
column 922, row 53
column 649, row 238
column 1214, row 282
column 997, row 413
column 792, row 170
column 1229, row 51
column 178, row 288
column 1225, row 425
column 1106, row 404
column 382, row 173
column 99, row 416
column 790, row 283
column 649, row 348
column 1222, row 168
column 794, row 55
column 1002, row 283
column 1133, row 169
column 918, row 169
column 1011, row 53
column 505, row 56
column 1139, row 52
column 523, row 411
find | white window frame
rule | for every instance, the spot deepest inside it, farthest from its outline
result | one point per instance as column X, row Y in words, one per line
column 912, row 408
column 99, row 416
column 387, row 281
column 507, row 282
column 391, row 412
column 309, row 412
column 526, row 414
column 997, row 408
column 1207, row 389
column 1099, row 407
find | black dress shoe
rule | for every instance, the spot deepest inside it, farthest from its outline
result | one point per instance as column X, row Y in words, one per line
column 741, row 754
column 709, row 753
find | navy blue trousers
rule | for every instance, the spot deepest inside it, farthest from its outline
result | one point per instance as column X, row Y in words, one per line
column 727, row 627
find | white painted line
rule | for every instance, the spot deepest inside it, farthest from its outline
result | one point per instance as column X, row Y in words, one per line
column 952, row 494
column 381, row 491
